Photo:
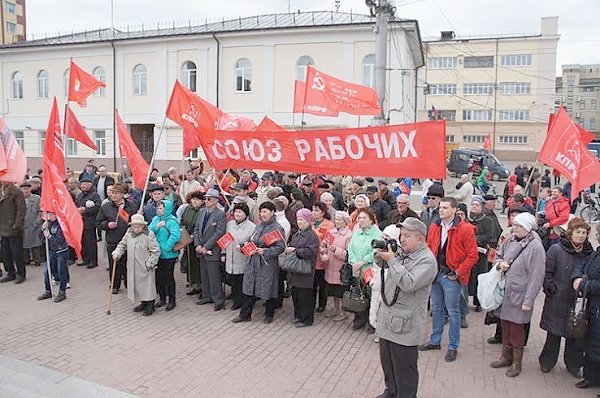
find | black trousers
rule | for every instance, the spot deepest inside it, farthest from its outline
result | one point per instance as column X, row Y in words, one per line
column 400, row 371
column 362, row 318
column 212, row 280
column 320, row 289
column 121, row 269
column 89, row 244
column 591, row 370
column 573, row 352
column 248, row 305
column 165, row 280
column 304, row 305
column 236, row 289
column 191, row 263
column 12, row 255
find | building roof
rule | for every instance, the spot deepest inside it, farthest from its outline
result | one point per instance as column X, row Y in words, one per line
column 312, row 19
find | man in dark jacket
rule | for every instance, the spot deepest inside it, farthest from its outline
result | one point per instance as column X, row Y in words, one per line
column 12, row 226
column 430, row 214
column 380, row 207
column 102, row 181
column 88, row 203
column 402, row 210
column 387, row 195
column 309, row 196
column 158, row 194
column 114, row 217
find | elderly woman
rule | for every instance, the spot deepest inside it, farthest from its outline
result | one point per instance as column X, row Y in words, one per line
column 521, row 257
column 261, row 276
column 241, row 229
column 334, row 256
column 143, row 254
column 305, row 244
column 561, row 260
column 360, row 256
column 328, row 199
column 189, row 261
column 361, row 201
column 321, row 225
column 586, row 280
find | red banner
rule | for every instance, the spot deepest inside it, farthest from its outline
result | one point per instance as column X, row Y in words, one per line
column 268, row 125
column 272, row 237
column 81, row 84
column 16, row 162
column 417, row 150
column 227, row 121
column 225, row 240
column 326, row 94
column 137, row 164
column 75, row 130
column 53, row 145
column 249, row 249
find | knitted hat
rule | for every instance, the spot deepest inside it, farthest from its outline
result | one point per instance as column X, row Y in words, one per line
column 526, row 220
column 305, row 214
column 392, row 231
column 365, row 198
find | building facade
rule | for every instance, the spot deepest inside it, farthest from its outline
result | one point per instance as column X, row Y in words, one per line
column 12, row 15
column 578, row 90
column 503, row 86
column 245, row 66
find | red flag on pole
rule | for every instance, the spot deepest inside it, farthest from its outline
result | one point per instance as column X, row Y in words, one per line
column 337, row 95
column 272, row 237
column 565, row 149
column 196, row 117
column 16, row 162
column 138, row 165
column 53, row 145
column 81, row 84
column 75, row 130
column 227, row 121
column 313, row 109
column 487, row 144
column 268, row 125
column 225, row 240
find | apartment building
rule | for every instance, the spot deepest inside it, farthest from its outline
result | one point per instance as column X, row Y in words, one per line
column 578, row 90
column 12, row 14
column 498, row 85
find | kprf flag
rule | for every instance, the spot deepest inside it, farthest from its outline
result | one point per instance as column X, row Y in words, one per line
column 228, row 121
column 272, row 237
column 225, row 240
column 16, row 162
column 196, row 117
column 75, row 130
column 137, row 164
column 487, row 144
column 332, row 95
column 81, row 84
column 249, row 249
column 313, row 109
column 53, row 145
column 267, row 124
column 565, row 149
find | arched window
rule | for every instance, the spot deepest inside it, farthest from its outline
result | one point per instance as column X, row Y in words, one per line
column 17, row 85
column 301, row 66
column 100, row 76
column 139, row 80
column 188, row 75
column 66, row 81
column 368, row 66
column 243, row 75
column 43, row 84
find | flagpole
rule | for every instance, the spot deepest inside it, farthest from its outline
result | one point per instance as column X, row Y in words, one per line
column 63, row 133
column 152, row 163
column 535, row 165
column 48, row 256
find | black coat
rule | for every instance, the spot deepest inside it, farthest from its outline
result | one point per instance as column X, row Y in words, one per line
column 306, row 243
column 590, row 272
column 109, row 181
column 90, row 213
column 485, row 238
column 109, row 212
column 382, row 209
column 561, row 259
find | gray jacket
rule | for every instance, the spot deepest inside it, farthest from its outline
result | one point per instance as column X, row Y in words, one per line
column 214, row 229
column 235, row 260
column 412, row 274
column 33, row 222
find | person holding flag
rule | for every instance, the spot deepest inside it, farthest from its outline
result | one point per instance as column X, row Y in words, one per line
column 114, row 217
column 12, row 226
column 58, row 248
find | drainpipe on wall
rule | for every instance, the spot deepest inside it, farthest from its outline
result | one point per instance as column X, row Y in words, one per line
column 112, row 44
column 218, row 66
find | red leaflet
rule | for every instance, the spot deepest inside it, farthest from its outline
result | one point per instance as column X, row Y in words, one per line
column 249, row 249
column 225, row 240
column 272, row 237
column 367, row 275
column 329, row 238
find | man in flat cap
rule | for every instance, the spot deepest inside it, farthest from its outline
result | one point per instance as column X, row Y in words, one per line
column 88, row 203
column 158, row 193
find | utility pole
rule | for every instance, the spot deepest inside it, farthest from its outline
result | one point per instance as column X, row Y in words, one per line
column 382, row 11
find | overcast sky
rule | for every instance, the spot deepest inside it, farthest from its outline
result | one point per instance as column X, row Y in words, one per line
column 578, row 19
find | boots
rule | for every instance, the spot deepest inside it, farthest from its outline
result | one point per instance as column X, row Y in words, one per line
column 505, row 360
column 515, row 369
column 171, row 304
column 149, row 308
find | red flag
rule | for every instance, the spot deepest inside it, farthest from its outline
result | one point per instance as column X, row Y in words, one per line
column 249, row 249
column 228, row 121
column 298, row 96
column 81, row 85
column 3, row 163
column 487, row 144
column 565, row 149
column 272, row 237
column 225, row 240
column 337, row 95
column 329, row 238
column 196, row 117
column 75, row 130
column 53, row 145
column 122, row 214
column 138, row 165
column 16, row 161
column 314, row 109
column 57, row 199
column 268, row 125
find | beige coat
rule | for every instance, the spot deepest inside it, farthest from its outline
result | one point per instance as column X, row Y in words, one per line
column 142, row 256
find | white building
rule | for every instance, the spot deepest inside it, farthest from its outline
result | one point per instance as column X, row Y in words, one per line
column 245, row 66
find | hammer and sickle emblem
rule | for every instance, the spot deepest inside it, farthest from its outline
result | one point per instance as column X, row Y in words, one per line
column 318, row 83
column 77, row 84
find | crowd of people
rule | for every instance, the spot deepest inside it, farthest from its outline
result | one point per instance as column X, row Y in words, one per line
column 354, row 239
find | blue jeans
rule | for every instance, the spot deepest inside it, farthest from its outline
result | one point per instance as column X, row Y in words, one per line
column 445, row 294
column 58, row 262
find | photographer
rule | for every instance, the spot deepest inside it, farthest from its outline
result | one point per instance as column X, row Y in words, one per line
column 401, row 318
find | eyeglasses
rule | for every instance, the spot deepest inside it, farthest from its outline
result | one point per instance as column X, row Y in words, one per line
column 402, row 203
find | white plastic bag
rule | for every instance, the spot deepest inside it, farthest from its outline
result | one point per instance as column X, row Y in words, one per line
column 490, row 290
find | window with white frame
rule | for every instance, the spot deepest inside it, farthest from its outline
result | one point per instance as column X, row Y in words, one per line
column 486, row 61
column 592, row 123
column 188, row 75
column 66, row 81
column 513, row 114
column 515, row 88
column 442, row 63
column 20, row 138
column 43, row 83
column 442, row 89
column 11, row 27
column 478, row 88
column 42, row 142
column 516, row 60
column 593, row 105
column 474, row 138
column 582, row 122
column 447, row 115
column 450, row 138
column 582, row 105
column 140, row 80
column 11, row 8
column 100, row 75
column 17, row 85
column 193, row 154
column 302, row 65
column 243, row 75
column 100, row 139
column 513, row 139
column 368, row 67
column 477, row 114
column 71, row 147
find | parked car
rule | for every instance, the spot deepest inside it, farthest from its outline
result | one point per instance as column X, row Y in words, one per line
column 464, row 161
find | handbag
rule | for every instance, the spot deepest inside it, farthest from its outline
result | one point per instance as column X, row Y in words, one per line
column 354, row 300
column 578, row 319
column 184, row 240
column 346, row 277
column 292, row 263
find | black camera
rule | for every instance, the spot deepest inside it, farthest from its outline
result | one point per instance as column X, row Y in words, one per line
column 383, row 244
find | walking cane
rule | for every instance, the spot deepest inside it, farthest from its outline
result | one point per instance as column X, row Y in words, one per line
column 112, row 284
